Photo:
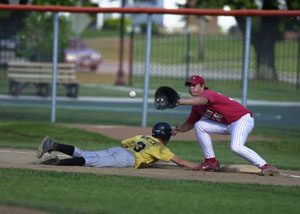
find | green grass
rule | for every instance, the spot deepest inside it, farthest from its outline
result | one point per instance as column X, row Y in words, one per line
column 172, row 49
column 284, row 152
column 82, row 116
column 94, row 33
column 67, row 192
column 61, row 192
column 18, row 134
column 220, row 52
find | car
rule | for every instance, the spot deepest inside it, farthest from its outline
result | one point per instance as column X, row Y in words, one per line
column 82, row 56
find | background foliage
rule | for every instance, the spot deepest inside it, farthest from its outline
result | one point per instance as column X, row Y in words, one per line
column 37, row 36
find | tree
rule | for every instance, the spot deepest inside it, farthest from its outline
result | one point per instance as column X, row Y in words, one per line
column 37, row 36
column 265, row 30
column 35, row 29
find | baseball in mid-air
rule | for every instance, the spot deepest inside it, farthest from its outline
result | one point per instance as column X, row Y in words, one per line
column 132, row 94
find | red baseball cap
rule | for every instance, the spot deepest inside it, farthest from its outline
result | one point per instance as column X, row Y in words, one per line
column 195, row 80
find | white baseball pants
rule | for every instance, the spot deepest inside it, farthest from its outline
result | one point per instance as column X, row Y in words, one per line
column 112, row 157
column 238, row 130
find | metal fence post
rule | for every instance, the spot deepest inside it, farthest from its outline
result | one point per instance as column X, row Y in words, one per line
column 147, row 68
column 246, row 60
column 188, row 54
column 54, row 67
column 298, row 62
column 131, row 48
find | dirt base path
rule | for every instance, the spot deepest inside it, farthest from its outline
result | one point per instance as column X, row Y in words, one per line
column 14, row 158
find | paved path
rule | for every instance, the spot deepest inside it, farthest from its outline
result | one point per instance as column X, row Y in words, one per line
column 265, row 113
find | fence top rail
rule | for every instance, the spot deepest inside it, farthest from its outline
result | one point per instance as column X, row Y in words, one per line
column 186, row 11
column 40, row 64
column 41, row 70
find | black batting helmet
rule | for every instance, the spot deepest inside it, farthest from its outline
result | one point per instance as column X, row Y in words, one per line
column 162, row 130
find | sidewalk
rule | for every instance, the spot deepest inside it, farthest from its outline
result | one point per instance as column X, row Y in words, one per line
column 137, row 100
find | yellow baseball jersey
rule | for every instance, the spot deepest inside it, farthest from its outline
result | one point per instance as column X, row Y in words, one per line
column 146, row 150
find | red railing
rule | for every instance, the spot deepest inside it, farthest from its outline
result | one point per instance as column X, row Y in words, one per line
column 190, row 11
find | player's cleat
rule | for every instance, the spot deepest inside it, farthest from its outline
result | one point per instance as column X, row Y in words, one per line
column 49, row 160
column 208, row 165
column 267, row 170
column 47, row 145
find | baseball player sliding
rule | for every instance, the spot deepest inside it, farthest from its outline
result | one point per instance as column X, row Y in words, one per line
column 213, row 112
column 137, row 152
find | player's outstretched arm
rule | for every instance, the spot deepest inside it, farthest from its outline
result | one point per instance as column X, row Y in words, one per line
column 199, row 100
column 182, row 162
column 183, row 128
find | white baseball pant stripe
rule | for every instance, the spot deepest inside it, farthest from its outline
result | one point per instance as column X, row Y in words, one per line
column 238, row 130
column 112, row 157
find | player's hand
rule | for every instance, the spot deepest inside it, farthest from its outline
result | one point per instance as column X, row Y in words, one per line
column 123, row 146
column 175, row 130
column 179, row 102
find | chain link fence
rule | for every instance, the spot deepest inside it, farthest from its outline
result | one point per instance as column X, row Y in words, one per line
column 103, row 71
column 219, row 58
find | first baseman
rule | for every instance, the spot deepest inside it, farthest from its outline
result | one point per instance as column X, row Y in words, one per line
column 137, row 152
column 213, row 112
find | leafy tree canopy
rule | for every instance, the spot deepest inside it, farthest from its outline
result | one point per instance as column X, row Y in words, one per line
column 244, row 4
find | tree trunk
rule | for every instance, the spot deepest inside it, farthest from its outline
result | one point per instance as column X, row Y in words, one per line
column 202, row 24
column 265, row 49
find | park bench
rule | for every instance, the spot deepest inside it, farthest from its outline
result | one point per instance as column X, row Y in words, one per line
column 21, row 74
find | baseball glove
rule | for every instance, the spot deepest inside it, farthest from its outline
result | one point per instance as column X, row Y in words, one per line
column 165, row 97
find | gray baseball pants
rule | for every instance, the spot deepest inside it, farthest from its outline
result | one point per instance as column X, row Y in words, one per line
column 112, row 157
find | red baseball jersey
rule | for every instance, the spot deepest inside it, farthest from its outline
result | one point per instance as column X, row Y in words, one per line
column 220, row 108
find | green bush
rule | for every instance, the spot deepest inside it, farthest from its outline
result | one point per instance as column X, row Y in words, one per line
column 115, row 23
column 143, row 27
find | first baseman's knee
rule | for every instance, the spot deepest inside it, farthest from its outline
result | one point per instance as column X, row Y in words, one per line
column 237, row 149
column 199, row 126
